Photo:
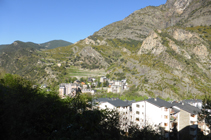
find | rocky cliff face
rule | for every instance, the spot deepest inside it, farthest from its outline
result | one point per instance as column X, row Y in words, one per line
column 139, row 24
column 89, row 55
column 152, row 44
column 170, row 52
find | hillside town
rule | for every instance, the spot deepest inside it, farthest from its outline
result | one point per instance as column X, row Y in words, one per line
column 114, row 86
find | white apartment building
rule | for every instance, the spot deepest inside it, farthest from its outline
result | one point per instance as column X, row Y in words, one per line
column 67, row 89
column 117, row 86
column 91, row 91
column 154, row 112
column 164, row 117
column 123, row 107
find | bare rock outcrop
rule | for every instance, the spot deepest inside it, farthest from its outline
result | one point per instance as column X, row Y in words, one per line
column 152, row 44
column 89, row 52
column 179, row 50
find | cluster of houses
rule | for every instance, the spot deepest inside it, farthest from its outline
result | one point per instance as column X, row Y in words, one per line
column 70, row 89
column 171, row 119
column 115, row 86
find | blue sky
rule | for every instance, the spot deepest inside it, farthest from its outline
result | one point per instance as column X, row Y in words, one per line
column 40, row 21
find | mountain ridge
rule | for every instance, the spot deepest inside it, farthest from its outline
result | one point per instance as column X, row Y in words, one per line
column 161, row 51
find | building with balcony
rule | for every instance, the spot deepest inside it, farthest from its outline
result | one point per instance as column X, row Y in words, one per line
column 186, row 120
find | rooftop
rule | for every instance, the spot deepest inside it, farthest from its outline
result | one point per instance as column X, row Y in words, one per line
column 187, row 107
column 159, row 102
column 192, row 101
column 114, row 101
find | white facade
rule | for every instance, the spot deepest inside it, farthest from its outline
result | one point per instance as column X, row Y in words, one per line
column 88, row 91
column 124, row 113
column 145, row 114
column 117, row 86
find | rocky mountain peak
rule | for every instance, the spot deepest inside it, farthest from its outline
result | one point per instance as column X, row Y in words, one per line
column 179, row 5
column 15, row 43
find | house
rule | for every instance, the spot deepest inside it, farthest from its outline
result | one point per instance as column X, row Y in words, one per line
column 123, row 107
column 59, row 64
column 43, row 86
column 117, row 86
column 88, row 91
column 115, row 89
column 84, row 86
column 77, row 82
column 62, row 90
column 68, row 89
column 103, row 79
column 91, row 79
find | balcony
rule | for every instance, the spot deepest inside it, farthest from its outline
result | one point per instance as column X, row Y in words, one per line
column 173, row 119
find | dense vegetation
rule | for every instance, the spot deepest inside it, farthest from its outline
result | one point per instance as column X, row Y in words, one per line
column 30, row 113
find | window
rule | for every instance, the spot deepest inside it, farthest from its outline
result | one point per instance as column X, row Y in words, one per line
column 137, row 105
column 166, row 109
column 137, row 112
column 165, row 124
column 143, row 113
column 165, row 117
column 105, row 105
column 142, row 105
column 137, row 119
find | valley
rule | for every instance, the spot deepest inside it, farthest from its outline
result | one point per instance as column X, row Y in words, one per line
column 162, row 51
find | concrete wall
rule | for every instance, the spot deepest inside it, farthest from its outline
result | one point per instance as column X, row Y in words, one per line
column 184, row 125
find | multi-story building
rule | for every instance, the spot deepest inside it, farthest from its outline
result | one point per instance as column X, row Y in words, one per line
column 123, row 107
column 186, row 120
column 68, row 89
column 117, row 86
column 172, row 120
column 152, row 112
column 103, row 79
column 166, row 117
column 91, row 91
